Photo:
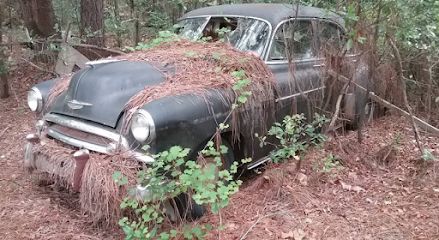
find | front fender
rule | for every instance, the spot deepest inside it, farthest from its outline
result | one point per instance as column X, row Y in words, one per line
column 45, row 87
column 187, row 120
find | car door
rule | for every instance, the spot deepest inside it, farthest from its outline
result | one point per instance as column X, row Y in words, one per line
column 293, row 58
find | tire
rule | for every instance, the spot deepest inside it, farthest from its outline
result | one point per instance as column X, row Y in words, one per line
column 364, row 110
column 364, row 106
column 187, row 207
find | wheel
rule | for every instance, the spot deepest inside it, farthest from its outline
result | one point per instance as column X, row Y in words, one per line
column 364, row 106
column 187, row 207
column 364, row 112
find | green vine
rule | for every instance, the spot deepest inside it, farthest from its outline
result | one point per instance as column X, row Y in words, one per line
column 168, row 177
column 172, row 174
column 294, row 136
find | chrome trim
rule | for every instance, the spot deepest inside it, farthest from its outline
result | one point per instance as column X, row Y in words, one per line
column 75, row 142
column 93, row 129
column 151, row 125
column 39, row 99
column 298, row 94
column 258, row 163
column 307, row 60
column 32, row 138
column 76, row 105
column 40, row 126
column 142, row 157
column 292, row 19
column 86, row 127
column 103, row 61
column 270, row 27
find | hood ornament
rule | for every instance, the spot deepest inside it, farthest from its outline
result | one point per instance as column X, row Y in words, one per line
column 76, row 105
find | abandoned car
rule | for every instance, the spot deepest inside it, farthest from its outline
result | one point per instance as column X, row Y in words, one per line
column 88, row 117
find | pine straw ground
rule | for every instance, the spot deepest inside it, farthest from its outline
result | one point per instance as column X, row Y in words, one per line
column 392, row 199
column 384, row 191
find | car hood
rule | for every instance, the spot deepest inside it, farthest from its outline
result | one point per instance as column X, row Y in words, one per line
column 99, row 92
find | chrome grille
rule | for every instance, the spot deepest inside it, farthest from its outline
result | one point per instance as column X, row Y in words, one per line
column 80, row 135
column 92, row 136
column 83, row 134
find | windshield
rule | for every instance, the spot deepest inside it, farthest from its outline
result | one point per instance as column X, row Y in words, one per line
column 245, row 34
column 191, row 28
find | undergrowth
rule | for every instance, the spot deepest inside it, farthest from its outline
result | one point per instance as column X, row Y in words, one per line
column 293, row 136
column 330, row 164
column 170, row 176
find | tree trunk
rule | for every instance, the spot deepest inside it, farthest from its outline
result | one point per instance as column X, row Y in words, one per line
column 135, row 14
column 4, row 86
column 38, row 16
column 118, row 20
column 92, row 21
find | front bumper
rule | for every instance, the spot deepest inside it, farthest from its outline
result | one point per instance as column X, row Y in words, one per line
column 104, row 140
column 63, row 157
column 58, row 163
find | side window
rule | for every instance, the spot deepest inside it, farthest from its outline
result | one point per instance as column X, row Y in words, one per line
column 293, row 40
column 331, row 38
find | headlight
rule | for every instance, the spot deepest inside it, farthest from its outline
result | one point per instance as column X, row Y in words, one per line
column 35, row 100
column 142, row 126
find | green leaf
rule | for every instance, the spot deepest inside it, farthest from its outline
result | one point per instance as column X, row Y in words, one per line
column 119, row 178
column 238, row 74
column 116, row 175
column 246, row 160
column 216, row 56
column 173, row 233
column 361, row 40
column 164, row 236
column 146, row 148
column 242, row 99
column 223, row 149
column 223, row 126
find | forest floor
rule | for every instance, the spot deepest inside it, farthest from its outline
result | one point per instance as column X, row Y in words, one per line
column 381, row 189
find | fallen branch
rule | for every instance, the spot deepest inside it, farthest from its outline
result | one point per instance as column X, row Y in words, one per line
column 4, row 131
column 39, row 68
column 112, row 51
column 337, row 107
column 421, row 123
column 28, row 44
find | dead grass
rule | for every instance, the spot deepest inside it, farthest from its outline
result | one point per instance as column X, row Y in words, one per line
column 100, row 196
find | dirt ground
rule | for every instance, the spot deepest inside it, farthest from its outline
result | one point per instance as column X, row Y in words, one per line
column 381, row 189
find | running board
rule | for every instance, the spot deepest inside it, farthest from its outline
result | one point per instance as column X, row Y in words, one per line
column 258, row 163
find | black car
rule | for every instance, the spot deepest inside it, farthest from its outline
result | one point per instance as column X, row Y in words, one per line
column 87, row 116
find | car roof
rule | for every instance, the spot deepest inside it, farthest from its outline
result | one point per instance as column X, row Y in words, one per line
column 274, row 13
